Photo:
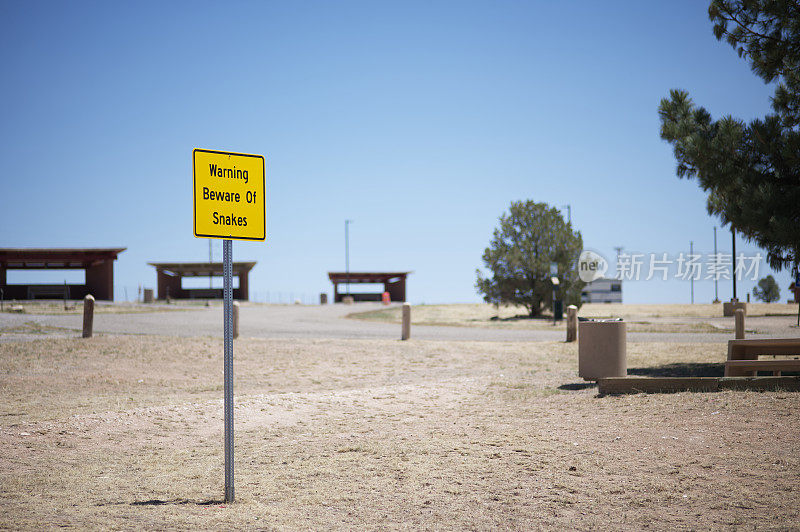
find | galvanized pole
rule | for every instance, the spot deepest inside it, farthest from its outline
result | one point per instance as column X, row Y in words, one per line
column 619, row 252
column 716, row 260
column 227, row 266
column 691, row 279
column 347, row 253
column 733, row 262
column 796, row 297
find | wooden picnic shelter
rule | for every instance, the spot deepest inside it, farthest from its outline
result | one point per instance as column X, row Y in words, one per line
column 393, row 282
column 98, row 263
column 170, row 275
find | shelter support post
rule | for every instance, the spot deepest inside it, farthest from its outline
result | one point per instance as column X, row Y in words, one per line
column 100, row 280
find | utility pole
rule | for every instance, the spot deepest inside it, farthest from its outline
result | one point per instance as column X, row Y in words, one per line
column 716, row 260
column 796, row 291
column 619, row 251
column 691, row 279
column 347, row 253
column 733, row 262
column 569, row 213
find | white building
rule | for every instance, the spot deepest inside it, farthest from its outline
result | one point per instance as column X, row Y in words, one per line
column 602, row 290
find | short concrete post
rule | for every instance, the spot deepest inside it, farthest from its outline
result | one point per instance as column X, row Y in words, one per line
column 739, row 319
column 236, row 319
column 572, row 323
column 406, row 333
column 88, row 315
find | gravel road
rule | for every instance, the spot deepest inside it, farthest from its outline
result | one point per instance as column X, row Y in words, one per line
column 300, row 321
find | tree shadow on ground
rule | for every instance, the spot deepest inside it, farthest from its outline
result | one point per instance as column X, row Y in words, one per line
column 578, row 386
column 159, row 502
column 520, row 317
column 681, row 369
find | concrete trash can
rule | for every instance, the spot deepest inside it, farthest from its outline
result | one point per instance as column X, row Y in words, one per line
column 602, row 349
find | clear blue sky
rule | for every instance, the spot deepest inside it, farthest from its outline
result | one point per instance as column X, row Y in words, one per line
column 420, row 121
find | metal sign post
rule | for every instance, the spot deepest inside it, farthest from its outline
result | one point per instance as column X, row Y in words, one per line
column 230, row 204
column 227, row 266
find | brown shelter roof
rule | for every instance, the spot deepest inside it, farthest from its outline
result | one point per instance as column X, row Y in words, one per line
column 200, row 269
column 364, row 277
column 56, row 258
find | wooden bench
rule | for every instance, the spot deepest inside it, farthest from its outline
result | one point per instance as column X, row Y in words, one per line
column 50, row 291
column 743, row 356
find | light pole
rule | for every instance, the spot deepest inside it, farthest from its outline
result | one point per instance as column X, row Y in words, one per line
column 796, row 292
column 733, row 262
column 716, row 260
column 347, row 254
column 619, row 252
column 569, row 213
column 691, row 257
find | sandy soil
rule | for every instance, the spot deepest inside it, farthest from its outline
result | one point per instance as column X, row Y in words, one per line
column 126, row 433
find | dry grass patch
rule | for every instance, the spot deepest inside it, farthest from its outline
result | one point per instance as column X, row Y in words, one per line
column 29, row 328
column 640, row 318
column 700, row 310
column 54, row 307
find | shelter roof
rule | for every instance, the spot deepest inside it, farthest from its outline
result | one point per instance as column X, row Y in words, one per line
column 200, row 269
column 364, row 277
column 56, row 258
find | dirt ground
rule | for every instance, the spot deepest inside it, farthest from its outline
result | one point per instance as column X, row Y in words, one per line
column 125, row 432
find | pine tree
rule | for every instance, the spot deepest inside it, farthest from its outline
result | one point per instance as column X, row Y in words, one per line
column 767, row 290
column 530, row 237
column 750, row 171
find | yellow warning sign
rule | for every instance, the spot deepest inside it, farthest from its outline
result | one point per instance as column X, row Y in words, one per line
column 229, row 195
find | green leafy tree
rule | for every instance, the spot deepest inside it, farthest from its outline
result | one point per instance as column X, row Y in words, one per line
column 751, row 172
column 531, row 236
column 767, row 290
